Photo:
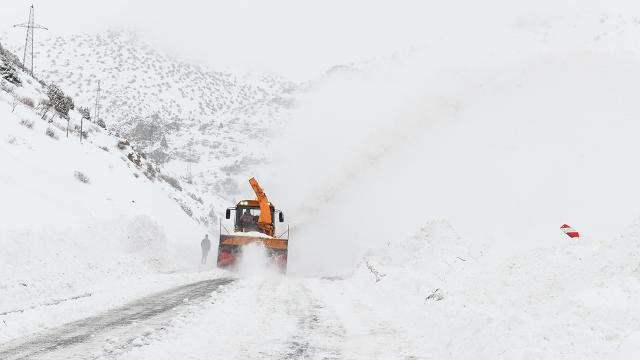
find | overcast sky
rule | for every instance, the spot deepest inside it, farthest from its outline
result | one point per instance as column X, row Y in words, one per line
column 296, row 38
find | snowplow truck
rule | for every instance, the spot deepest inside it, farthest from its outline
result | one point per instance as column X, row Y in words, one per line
column 254, row 223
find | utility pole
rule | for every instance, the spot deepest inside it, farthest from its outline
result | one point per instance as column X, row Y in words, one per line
column 27, row 58
column 81, row 121
column 97, row 106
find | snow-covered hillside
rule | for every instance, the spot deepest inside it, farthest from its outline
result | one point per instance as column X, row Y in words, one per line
column 138, row 80
column 78, row 218
column 207, row 126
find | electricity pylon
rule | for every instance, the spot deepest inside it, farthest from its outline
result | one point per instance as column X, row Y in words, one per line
column 27, row 59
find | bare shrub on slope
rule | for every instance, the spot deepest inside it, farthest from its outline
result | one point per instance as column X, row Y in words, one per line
column 82, row 177
column 171, row 181
column 26, row 123
column 27, row 101
column 51, row 133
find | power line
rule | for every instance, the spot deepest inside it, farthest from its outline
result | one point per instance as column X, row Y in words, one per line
column 27, row 58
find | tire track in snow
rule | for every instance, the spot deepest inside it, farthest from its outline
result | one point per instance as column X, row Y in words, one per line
column 368, row 332
column 247, row 322
column 84, row 338
column 319, row 335
column 50, row 303
column 260, row 317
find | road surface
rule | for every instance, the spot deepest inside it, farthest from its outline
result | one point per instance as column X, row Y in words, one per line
column 86, row 338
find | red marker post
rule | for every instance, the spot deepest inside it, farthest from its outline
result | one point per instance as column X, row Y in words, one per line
column 571, row 232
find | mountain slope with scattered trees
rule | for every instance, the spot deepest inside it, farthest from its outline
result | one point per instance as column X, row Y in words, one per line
column 82, row 208
column 202, row 124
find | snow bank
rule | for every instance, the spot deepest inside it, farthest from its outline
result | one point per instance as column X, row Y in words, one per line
column 431, row 296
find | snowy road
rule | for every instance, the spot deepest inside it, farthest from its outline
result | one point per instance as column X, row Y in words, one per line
column 269, row 316
column 282, row 317
column 116, row 330
column 259, row 316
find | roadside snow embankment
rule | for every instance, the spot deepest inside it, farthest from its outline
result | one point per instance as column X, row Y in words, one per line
column 438, row 295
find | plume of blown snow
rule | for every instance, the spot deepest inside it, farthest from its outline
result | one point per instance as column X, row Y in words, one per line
column 506, row 139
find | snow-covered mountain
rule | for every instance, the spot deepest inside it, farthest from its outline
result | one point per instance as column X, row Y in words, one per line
column 205, row 125
column 137, row 80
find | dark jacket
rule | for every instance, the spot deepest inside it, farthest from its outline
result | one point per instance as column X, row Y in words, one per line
column 205, row 244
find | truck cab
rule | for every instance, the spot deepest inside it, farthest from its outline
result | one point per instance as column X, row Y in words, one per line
column 251, row 208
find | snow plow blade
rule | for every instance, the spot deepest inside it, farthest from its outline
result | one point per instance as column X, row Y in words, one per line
column 230, row 248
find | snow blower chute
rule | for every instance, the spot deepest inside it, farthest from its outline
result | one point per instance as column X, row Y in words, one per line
column 254, row 222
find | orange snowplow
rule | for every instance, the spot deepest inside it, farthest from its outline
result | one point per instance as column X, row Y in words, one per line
column 254, row 222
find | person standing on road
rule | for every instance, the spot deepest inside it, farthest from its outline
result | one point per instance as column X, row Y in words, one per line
column 205, row 244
